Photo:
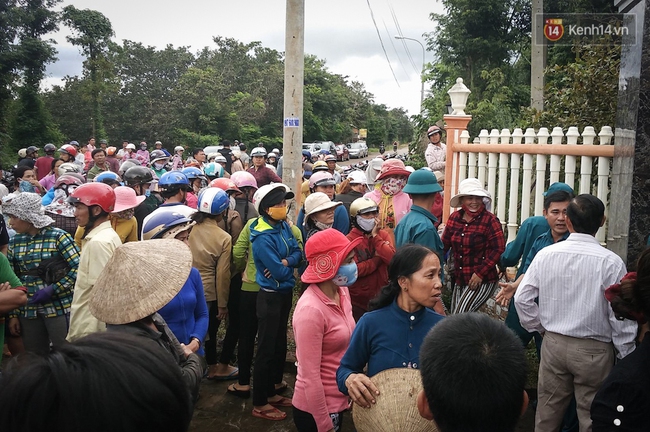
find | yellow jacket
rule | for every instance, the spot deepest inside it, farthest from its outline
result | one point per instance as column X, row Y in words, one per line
column 127, row 229
column 211, row 252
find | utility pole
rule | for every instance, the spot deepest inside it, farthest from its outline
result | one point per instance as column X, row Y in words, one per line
column 294, row 77
column 421, row 73
column 538, row 56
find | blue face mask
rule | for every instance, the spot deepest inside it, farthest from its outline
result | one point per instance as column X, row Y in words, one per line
column 26, row 186
column 347, row 275
column 147, row 193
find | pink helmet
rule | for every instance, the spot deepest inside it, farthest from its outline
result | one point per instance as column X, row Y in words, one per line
column 321, row 178
column 243, row 179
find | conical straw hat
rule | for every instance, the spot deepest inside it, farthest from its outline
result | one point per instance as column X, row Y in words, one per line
column 396, row 408
column 139, row 279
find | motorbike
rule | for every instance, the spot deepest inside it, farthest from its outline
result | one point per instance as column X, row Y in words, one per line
column 382, row 149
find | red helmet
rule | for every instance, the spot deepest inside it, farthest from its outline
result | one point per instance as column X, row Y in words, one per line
column 94, row 193
column 224, row 184
column 67, row 148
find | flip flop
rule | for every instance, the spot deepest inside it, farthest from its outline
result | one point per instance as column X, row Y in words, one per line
column 231, row 376
column 244, row 394
column 282, row 402
column 266, row 414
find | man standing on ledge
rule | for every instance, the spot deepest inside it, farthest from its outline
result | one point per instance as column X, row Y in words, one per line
column 576, row 321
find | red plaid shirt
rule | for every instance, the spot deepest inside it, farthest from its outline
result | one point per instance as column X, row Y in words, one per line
column 476, row 245
column 264, row 176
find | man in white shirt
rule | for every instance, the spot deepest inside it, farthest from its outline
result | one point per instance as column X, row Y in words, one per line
column 579, row 327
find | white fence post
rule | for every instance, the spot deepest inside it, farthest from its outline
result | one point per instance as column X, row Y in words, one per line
column 462, row 162
column 515, row 165
column 605, row 136
column 556, row 138
column 502, row 196
column 471, row 162
column 492, row 167
column 570, row 161
column 540, row 168
column 586, row 162
column 527, row 177
column 482, row 157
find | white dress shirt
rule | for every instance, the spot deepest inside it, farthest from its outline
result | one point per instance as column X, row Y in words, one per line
column 570, row 279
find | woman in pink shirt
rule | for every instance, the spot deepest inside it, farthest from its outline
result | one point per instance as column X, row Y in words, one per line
column 323, row 325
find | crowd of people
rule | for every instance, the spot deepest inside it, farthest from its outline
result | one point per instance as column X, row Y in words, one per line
column 145, row 253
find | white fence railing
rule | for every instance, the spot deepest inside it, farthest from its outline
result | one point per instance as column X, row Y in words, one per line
column 495, row 158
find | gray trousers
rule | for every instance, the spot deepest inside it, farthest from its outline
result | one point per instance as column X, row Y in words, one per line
column 37, row 333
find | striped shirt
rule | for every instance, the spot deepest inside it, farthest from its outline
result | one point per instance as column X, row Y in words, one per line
column 26, row 253
column 570, row 278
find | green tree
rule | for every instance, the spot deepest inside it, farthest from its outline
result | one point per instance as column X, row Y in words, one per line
column 92, row 31
column 9, row 61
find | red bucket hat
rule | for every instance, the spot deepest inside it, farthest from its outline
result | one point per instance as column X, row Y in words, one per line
column 326, row 250
column 393, row 167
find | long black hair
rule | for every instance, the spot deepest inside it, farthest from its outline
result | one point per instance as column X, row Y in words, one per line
column 406, row 261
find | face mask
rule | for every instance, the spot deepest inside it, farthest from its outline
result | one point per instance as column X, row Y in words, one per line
column 233, row 203
column 147, row 193
column 126, row 214
column 277, row 213
column 393, row 185
column 322, row 226
column 347, row 275
column 366, row 225
column 26, row 186
column 158, row 166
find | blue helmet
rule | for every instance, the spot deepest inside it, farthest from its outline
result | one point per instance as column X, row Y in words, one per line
column 164, row 221
column 213, row 170
column 173, row 178
column 306, row 153
column 108, row 177
column 213, row 201
column 193, row 173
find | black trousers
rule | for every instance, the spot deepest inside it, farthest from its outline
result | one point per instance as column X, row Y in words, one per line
column 305, row 422
column 272, row 316
column 232, row 332
column 247, row 333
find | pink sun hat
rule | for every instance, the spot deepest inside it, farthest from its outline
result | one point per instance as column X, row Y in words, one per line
column 125, row 199
column 325, row 251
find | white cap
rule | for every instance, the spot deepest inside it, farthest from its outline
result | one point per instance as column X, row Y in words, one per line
column 358, row 177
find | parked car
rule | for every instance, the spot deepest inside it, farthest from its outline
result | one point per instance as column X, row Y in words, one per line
column 313, row 148
column 342, row 153
column 357, row 149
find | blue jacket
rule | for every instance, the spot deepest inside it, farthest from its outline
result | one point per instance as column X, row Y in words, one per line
column 271, row 244
column 341, row 221
column 418, row 227
column 186, row 314
column 386, row 338
column 529, row 230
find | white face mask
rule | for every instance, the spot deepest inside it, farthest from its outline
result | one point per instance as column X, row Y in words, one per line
column 159, row 166
column 366, row 225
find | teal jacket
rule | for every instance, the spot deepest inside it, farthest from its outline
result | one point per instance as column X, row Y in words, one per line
column 529, row 230
column 272, row 244
column 418, row 227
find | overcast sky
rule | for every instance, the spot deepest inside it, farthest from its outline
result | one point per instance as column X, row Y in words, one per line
column 339, row 31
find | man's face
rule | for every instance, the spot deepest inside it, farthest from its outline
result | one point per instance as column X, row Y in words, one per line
column 200, row 156
column 556, row 217
column 124, row 144
column 435, row 138
column 100, row 158
column 91, row 141
column 331, row 165
column 81, row 214
column 258, row 161
column 103, row 145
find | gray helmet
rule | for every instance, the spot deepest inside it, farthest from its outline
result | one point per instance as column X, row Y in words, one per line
column 49, row 148
column 32, row 149
column 137, row 175
column 258, row 151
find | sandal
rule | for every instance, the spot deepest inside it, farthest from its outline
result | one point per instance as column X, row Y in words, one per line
column 282, row 402
column 267, row 414
column 244, row 394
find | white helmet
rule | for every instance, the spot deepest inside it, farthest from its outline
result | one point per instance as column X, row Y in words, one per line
column 220, row 158
column 265, row 190
column 358, row 177
column 68, row 167
column 130, row 146
column 212, row 156
column 178, row 148
column 258, row 151
column 276, row 151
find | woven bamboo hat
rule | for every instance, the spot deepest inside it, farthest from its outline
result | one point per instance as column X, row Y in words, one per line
column 396, row 408
column 139, row 279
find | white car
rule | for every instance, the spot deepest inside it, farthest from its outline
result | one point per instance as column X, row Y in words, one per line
column 358, row 149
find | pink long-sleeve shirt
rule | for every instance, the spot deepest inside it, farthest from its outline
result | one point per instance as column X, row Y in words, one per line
column 322, row 330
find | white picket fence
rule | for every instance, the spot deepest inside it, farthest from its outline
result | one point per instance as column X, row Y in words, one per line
column 495, row 158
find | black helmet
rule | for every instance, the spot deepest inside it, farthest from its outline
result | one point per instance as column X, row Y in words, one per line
column 32, row 149
column 49, row 148
column 137, row 175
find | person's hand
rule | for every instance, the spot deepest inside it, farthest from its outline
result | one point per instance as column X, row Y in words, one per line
column 186, row 350
column 441, row 229
column 506, row 292
column 475, row 282
column 376, row 229
column 5, row 286
column 14, row 326
column 362, row 391
column 285, row 263
column 42, row 296
column 222, row 313
column 194, row 345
